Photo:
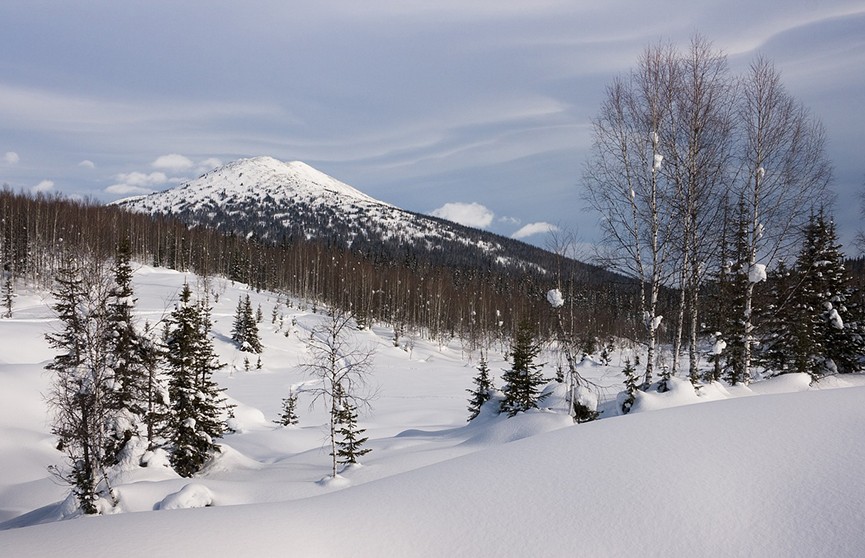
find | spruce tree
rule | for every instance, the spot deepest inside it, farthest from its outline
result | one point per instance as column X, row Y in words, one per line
column 289, row 410
column 630, row 387
column 244, row 332
column 524, row 379
column 127, row 355
column 8, row 293
column 824, row 319
column 197, row 404
column 483, row 389
column 348, row 447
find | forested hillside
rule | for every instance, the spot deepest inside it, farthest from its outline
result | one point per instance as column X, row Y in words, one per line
column 408, row 289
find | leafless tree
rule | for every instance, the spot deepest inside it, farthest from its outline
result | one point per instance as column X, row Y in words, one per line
column 342, row 367
column 624, row 182
column 783, row 176
column 698, row 153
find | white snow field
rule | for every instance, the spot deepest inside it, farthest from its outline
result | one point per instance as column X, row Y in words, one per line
column 776, row 473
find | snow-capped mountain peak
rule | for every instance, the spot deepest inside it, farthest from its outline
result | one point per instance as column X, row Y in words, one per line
column 274, row 201
column 250, row 181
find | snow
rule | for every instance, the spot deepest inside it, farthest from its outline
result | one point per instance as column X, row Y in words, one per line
column 757, row 273
column 657, row 160
column 555, row 298
column 768, row 469
column 192, row 495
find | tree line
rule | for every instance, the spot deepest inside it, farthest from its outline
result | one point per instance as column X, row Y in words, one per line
column 480, row 305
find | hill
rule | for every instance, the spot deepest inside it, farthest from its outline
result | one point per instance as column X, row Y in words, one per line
column 276, row 202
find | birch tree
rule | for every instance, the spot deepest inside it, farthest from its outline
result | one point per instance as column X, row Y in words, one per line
column 783, row 177
column 341, row 367
column 624, row 182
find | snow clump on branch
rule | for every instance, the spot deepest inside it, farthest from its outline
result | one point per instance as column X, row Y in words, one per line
column 555, row 298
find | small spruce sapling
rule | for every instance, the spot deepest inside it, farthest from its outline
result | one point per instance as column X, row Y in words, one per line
column 630, row 387
column 483, row 389
column 289, row 410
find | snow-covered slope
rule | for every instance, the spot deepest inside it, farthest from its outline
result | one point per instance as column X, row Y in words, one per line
column 253, row 181
column 272, row 200
column 773, row 469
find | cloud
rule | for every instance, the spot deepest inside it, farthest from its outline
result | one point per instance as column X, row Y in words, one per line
column 87, row 164
column 126, row 189
column 533, row 229
column 173, row 162
column 44, row 186
column 209, row 164
column 11, row 158
column 137, row 182
column 468, row 214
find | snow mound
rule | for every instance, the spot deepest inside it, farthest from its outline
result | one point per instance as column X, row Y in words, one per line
column 192, row 495
column 524, row 425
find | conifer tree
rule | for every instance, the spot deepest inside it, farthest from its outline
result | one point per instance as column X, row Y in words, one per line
column 523, row 380
column 8, row 294
column 197, row 405
column 841, row 327
column 289, row 410
column 630, row 387
column 82, row 385
column 816, row 327
column 245, row 329
column 348, row 448
column 483, row 388
column 126, row 357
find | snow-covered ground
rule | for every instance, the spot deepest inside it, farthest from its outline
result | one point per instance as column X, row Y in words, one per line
column 776, row 474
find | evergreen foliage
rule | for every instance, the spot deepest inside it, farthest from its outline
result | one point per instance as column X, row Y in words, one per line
column 244, row 332
column 630, row 387
column 8, row 294
column 197, row 405
column 289, row 411
column 814, row 325
column 348, row 447
column 523, row 380
column 82, row 385
column 127, row 356
column 483, row 389
column 342, row 368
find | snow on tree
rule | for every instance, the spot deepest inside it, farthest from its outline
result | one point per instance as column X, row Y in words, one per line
column 82, row 385
column 555, row 298
column 483, row 389
column 127, row 357
column 629, row 396
column 244, row 330
column 807, row 330
column 757, row 273
column 524, row 379
column 197, row 412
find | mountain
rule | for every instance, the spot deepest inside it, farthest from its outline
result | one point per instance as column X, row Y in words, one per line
column 272, row 201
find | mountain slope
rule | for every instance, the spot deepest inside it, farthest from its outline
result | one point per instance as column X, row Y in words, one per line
column 273, row 201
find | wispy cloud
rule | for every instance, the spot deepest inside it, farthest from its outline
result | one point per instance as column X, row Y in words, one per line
column 11, row 158
column 87, row 164
column 534, row 228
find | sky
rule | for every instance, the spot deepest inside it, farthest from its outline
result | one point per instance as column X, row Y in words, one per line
column 476, row 111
